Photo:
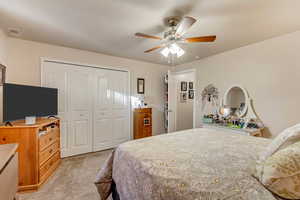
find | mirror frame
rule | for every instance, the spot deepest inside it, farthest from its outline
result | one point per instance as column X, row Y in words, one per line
column 246, row 99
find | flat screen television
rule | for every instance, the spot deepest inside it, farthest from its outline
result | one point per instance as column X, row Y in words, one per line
column 20, row 101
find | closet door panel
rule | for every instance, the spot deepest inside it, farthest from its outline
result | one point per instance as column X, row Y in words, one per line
column 80, row 139
column 103, row 137
column 56, row 76
column 103, row 90
column 111, row 118
column 79, row 91
column 80, row 106
column 105, row 126
column 119, row 129
column 120, row 107
column 102, row 134
column 120, row 90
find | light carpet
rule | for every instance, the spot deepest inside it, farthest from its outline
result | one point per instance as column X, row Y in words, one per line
column 73, row 180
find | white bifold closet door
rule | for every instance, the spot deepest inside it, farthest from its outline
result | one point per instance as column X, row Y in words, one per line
column 94, row 106
column 111, row 109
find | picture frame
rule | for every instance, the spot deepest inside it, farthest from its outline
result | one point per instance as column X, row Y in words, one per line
column 183, row 97
column 191, row 85
column 141, row 86
column 191, row 94
column 183, row 86
column 2, row 75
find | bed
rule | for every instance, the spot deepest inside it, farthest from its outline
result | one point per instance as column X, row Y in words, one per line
column 201, row 164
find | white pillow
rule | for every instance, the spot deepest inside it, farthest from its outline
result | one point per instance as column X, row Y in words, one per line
column 281, row 172
column 285, row 138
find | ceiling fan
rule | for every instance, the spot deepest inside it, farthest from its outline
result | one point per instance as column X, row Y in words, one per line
column 175, row 35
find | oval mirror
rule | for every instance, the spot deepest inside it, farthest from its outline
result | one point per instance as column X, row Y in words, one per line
column 236, row 99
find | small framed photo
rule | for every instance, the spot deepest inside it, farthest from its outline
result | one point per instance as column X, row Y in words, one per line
column 141, row 86
column 191, row 85
column 191, row 94
column 2, row 75
column 183, row 97
column 183, row 86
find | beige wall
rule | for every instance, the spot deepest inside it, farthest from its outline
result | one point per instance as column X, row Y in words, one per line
column 269, row 70
column 3, row 47
column 24, row 68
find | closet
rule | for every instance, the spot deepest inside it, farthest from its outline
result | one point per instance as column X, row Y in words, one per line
column 93, row 105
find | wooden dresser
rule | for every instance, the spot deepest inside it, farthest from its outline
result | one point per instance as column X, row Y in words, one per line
column 142, row 122
column 39, row 150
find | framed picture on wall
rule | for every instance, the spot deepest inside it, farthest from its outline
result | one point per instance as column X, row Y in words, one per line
column 191, row 85
column 183, row 86
column 191, row 94
column 183, row 97
column 2, row 75
column 141, row 86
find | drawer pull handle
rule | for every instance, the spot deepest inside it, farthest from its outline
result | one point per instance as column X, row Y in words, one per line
column 4, row 139
column 51, row 150
column 50, row 139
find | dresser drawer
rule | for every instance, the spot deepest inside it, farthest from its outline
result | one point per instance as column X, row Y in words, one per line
column 49, row 138
column 147, row 132
column 147, row 115
column 49, row 152
column 49, row 166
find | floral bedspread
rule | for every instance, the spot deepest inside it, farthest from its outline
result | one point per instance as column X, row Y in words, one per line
column 197, row 164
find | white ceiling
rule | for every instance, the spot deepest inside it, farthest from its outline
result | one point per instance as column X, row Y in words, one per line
column 108, row 26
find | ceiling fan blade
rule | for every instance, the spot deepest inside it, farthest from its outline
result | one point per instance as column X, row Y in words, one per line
column 147, row 36
column 184, row 25
column 211, row 38
column 154, row 48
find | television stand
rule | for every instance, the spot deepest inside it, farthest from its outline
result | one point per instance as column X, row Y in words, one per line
column 8, row 124
column 38, row 151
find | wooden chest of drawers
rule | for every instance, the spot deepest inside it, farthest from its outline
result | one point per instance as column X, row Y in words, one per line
column 39, row 150
column 142, row 123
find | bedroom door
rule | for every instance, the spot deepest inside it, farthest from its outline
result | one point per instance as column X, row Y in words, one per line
column 181, row 100
column 171, row 102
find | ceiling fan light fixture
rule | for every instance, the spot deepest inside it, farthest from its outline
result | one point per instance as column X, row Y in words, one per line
column 165, row 52
column 180, row 52
column 173, row 49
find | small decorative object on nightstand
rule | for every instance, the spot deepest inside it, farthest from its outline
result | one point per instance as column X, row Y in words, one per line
column 142, row 123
